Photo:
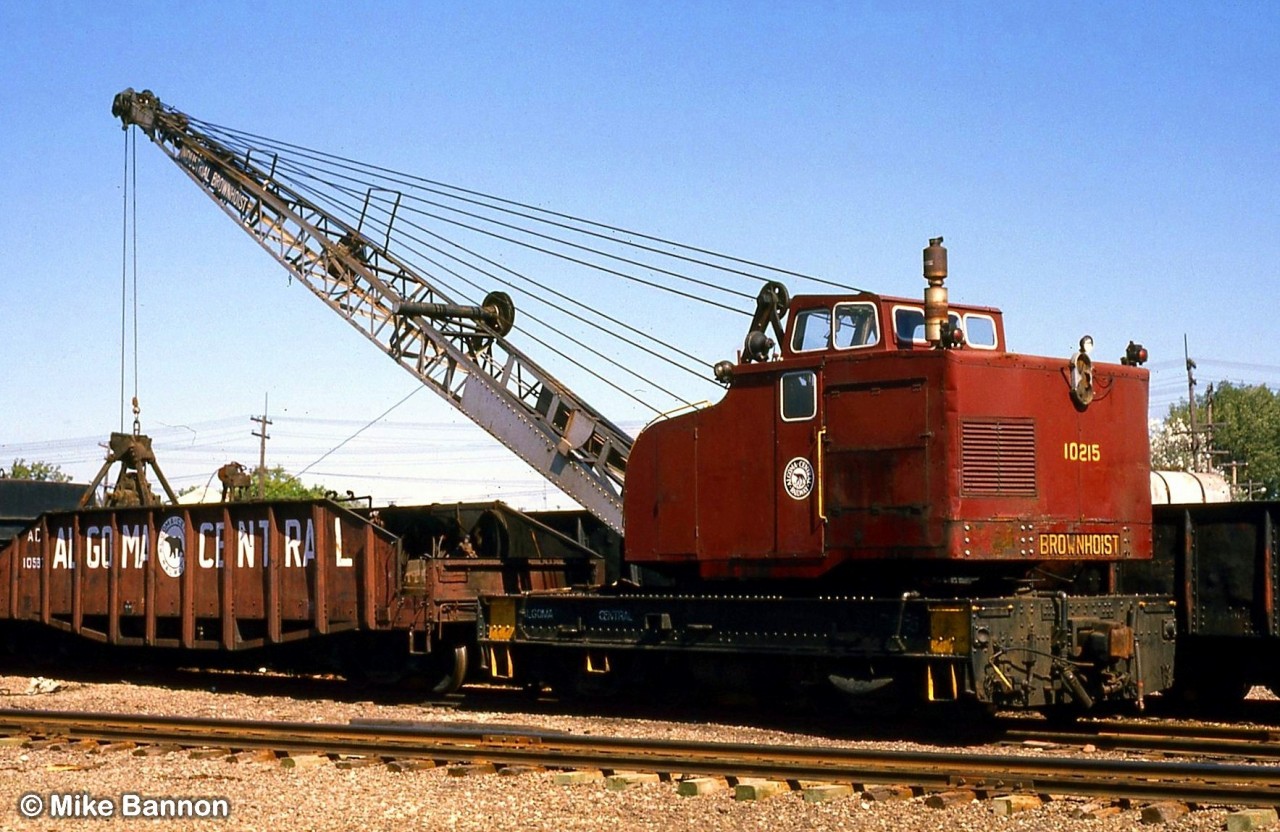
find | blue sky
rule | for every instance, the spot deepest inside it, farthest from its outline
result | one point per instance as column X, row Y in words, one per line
column 1094, row 168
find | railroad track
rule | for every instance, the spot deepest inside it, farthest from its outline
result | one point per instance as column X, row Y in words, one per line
column 1236, row 784
column 1214, row 741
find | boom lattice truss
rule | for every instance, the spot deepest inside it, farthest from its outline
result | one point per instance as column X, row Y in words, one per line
column 457, row 351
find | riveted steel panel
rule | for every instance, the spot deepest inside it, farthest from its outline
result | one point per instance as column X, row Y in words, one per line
column 227, row 576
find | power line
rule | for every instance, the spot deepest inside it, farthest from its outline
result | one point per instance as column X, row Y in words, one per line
column 369, row 424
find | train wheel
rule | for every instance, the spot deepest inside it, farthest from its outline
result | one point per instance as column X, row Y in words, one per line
column 446, row 668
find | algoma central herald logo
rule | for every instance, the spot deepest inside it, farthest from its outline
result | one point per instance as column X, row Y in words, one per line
column 797, row 478
column 171, row 546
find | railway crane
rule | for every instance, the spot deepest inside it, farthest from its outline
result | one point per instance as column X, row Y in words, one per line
column 885, row 493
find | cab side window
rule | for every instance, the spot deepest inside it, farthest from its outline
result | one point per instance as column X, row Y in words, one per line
column 799, row 395
column 856, row 326
column 980, row 331
column 908, row 324
column 812, row 330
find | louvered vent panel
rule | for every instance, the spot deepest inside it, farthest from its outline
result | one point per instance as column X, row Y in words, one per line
column 998, row 459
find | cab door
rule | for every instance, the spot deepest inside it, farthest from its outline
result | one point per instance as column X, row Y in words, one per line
column 875, row 466
column 799, row 528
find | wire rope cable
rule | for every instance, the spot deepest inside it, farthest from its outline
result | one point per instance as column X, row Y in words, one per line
column 419, row 181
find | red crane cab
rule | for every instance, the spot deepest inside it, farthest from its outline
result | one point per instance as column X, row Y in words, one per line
column 886, row 429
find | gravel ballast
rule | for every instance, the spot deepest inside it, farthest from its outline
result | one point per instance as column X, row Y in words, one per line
column 268, row 796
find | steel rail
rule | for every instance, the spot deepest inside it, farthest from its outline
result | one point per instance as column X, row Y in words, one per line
column 1242, row 784
column 1207, row 740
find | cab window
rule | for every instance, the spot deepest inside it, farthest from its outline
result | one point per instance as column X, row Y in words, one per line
column 855, row 326
column 812, row 330
column 908, row 324
column 980, row 331
column 799, row 395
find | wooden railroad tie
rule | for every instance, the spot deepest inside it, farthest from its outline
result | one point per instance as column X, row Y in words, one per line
column 412, row 764
column 577, row 778
column 302, row 761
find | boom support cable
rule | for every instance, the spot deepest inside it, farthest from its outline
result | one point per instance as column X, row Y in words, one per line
column 538, row 284
column 510, row 226
column 242, row 140
column 420, row 181
column 622, row 367
column 736, row 310
column 303, row 173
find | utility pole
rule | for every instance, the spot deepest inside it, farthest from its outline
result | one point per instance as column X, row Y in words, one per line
column 1191, row 406
column 262, row 421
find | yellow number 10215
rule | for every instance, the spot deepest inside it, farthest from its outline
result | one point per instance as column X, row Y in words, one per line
column 1081, row 451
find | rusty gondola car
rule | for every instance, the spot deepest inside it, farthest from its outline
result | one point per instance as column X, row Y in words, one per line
column 234, row 578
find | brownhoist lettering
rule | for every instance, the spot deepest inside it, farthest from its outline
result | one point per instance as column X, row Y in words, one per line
column 1080, row 545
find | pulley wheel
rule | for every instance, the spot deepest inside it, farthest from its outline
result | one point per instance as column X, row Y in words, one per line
column 501, row 305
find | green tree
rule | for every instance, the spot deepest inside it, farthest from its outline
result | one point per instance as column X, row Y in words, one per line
column 1246, row 429
column 1171, row 448
column 1246, row 422
column 41, row 471
column 281, row 485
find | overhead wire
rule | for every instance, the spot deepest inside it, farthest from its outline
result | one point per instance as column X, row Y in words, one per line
column 322, row 197
column 588, row 264
column 369, row 424
column 409, row 178
column 548, row 325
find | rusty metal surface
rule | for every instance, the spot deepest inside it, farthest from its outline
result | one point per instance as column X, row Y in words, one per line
column 1219, row 561
column 1029, row 650
column 907, row 453
column 236, row 576
column 206, row 576
column 455, row 553
column 1207, row 782
column 133, row 453
column 1213, row 782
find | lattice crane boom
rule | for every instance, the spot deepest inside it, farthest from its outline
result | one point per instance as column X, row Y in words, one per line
column 458, row 351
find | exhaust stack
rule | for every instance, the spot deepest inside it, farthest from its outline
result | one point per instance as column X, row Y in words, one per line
column 935, row 297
